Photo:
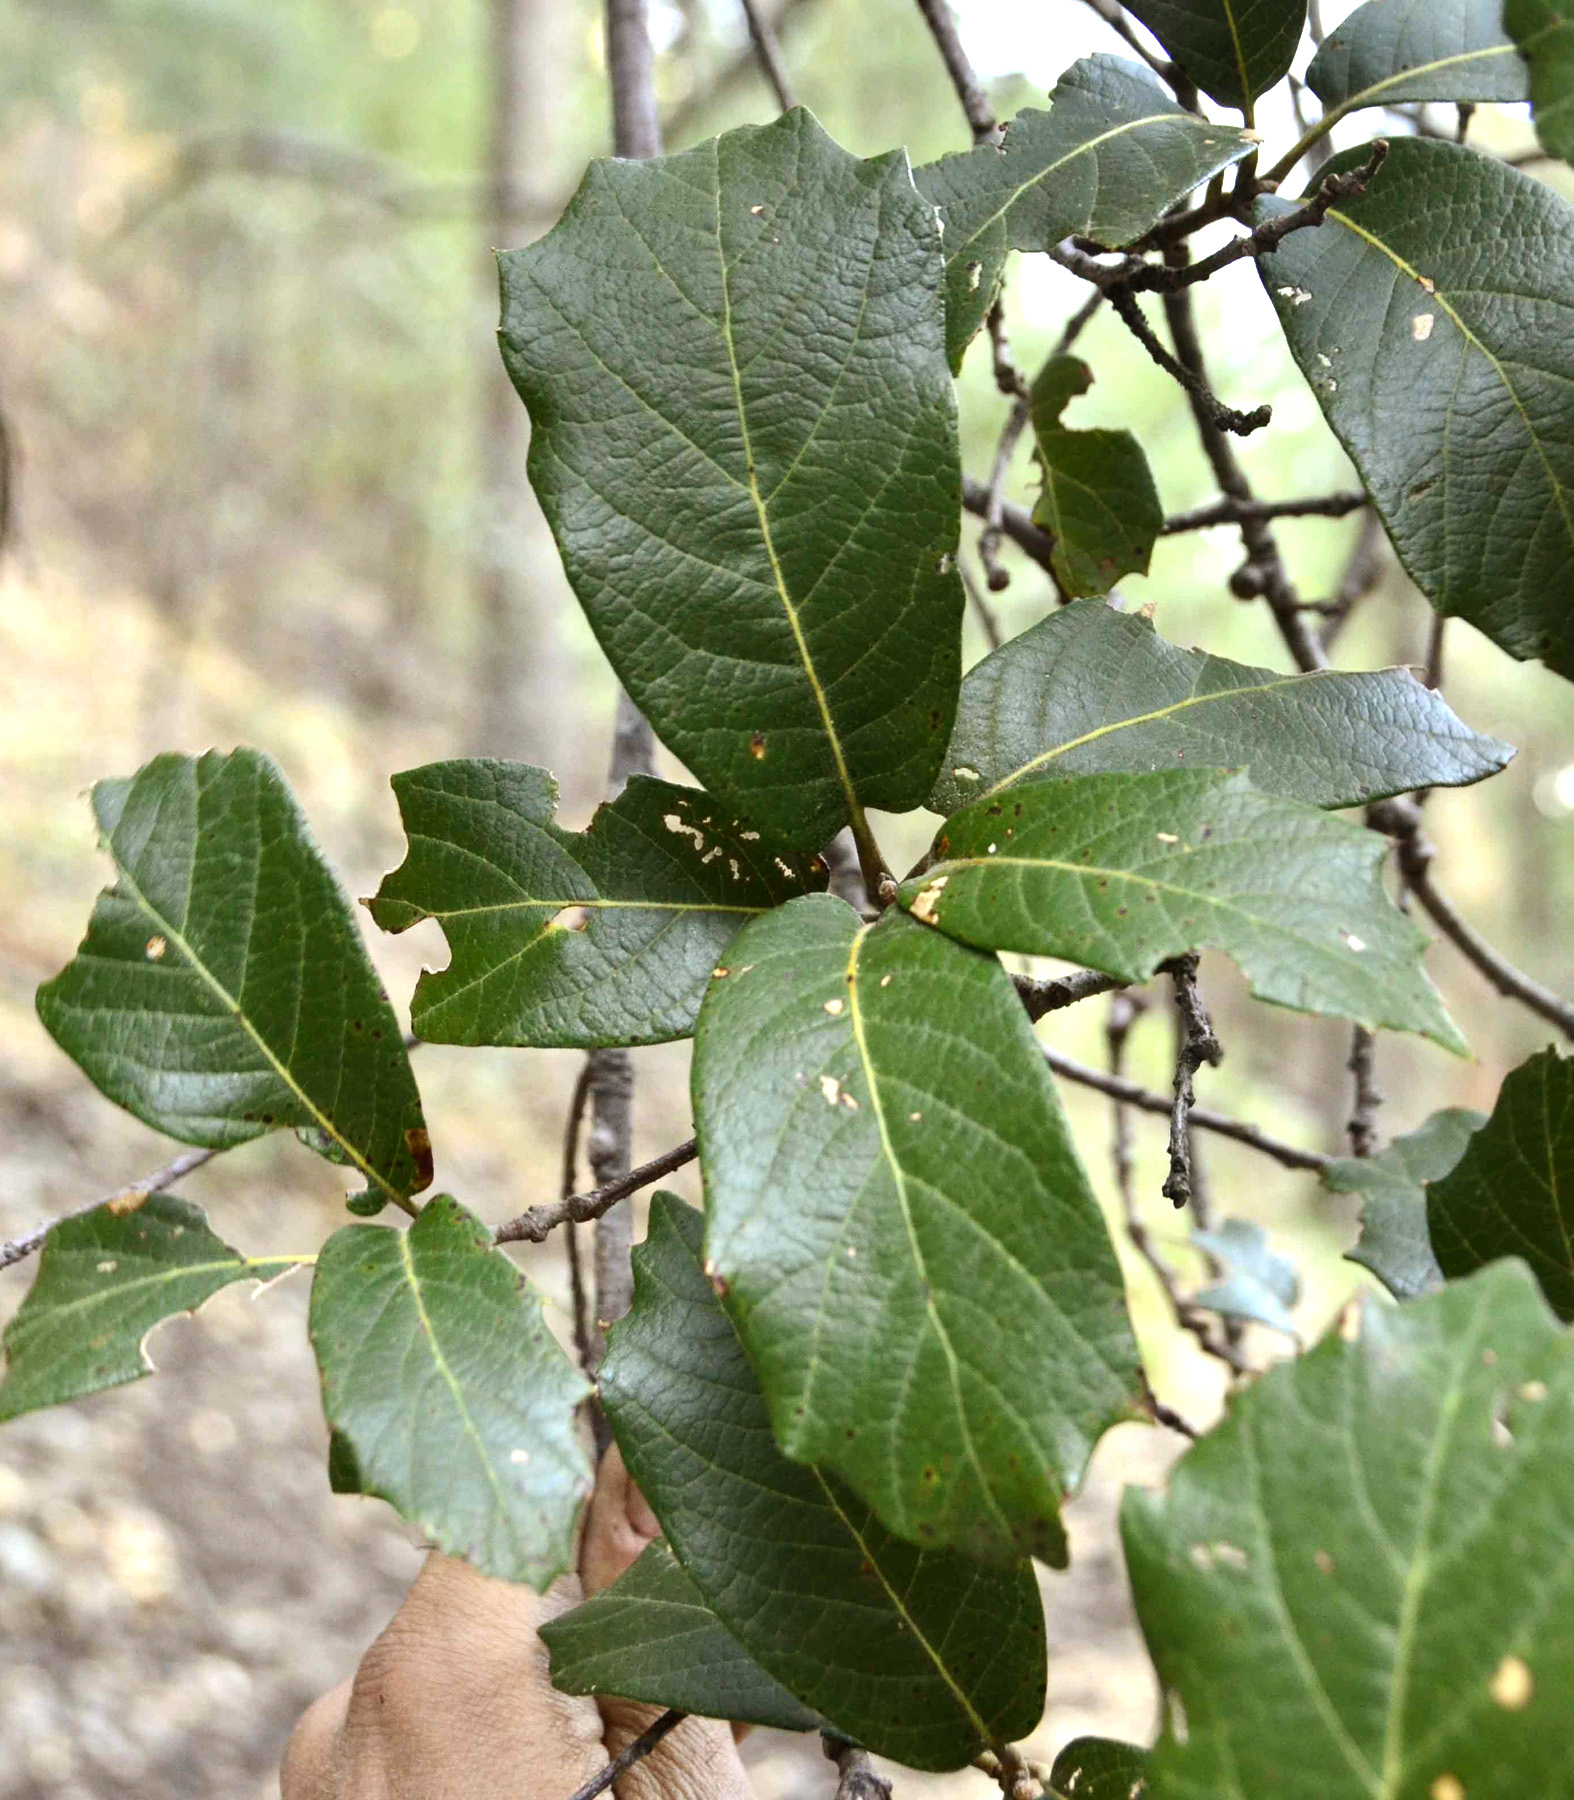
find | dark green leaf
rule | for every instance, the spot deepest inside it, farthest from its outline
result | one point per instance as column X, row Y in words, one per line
column 1090, row 690
column 745, row 443
column 1395, row 1244
column 883, row 1147
column 1544, row 32
column 1092, row 1768
column 223, row 989
column 1099, row 500
column 1121, row 872
column 651, row 1637
column 1360, row 1585
column 451, row 1399
column 1107, row 163
column 923, row 1656
column 105, row 1280
column 1400, row 50
column 1511, row 1193
column 1256, row 1285
column 657, row 886
column 1233, row 49
column 1445, row 369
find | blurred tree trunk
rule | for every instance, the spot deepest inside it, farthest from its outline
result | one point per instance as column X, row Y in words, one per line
column 518, row 655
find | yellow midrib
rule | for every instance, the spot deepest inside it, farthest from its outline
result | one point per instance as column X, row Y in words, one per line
column 1435, row 294
column 319, row 1117
column 255, row 1268
column 563, row 905
column 843, row 774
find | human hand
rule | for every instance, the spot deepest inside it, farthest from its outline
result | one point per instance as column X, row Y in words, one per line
column 453, row 1701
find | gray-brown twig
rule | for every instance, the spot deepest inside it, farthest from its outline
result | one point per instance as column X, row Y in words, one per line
column 1197, row 1045
column 858, row 1778
column 762, row 34
column 1041, row 997
column 537, row 1223
column 633, row 1753
column 126, row 1199
column 1241, row 512
column 979, row 113
column 1362, row 1123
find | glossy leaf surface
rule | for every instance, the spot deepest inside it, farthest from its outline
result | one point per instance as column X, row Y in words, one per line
column 1544, row 33
column 1511, row 1193
column 923, row 1656
column 223, row 989
column 1360, row 1586
column 1098, row 498
column 454, row 1402
column 1092, row 1768
column 651, row 1637
column 1232, row 49
column 745, row 442
column 653, row 891
column 104, row 1281
column 883, row 1147
column 1090, row 690
column 1390, row 51
column 1120, row 872
column 1442, row 355
column 1395, row 1244
column 1113, row 154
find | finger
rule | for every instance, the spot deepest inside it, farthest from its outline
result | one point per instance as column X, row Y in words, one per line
column 307, row 1772
column 619, row 1526
column 697, row 1761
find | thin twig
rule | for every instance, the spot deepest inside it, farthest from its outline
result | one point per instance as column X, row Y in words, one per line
column 1263, row 573
column 858, row 1778
column 1114, row 16
column 762, row 34
column 1361, row 1125
column 633, row 1753
column 576, row 1270
column 1017, row 524
column 1198, row 1045
column 1224, row 418
column 969, row 89
column 1041, row 997
column 537, row 1223
column 1239, row 512
column 123, row 1200
column 1363, row 570
column 1203, row 1117
column 981, row 607
column 743, row 68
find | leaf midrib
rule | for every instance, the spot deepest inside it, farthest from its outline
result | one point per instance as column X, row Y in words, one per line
column 259, row 1268
column 324, row 1124
column 1418, row 71
column 563, row 905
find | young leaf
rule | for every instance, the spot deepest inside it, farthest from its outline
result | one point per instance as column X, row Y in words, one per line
column 1090, row 690
column 1544, row 33
column 1446, row 375
column 104, row 1281
column 923, row 1656
column 223, row 989
column 452, row 1400
column 1256, row 1284
column 745, row 443
column 882, row 1146
column 1099, row 500
column 1121, row 872
column 1394, row 1243
column 1107, row 162
column 657, row 886
column 1092, row 1768
column 651, row 1637
column 1233, row 49
column 1511, row 1193
column 1359, row 1585
column 1390, row 51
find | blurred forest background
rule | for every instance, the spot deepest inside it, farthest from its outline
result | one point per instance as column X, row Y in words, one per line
column 267, row 486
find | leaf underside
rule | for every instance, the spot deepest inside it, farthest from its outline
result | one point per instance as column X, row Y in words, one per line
column 1442, row 356
column 923, row 1656
column 1360, row 1586
column 223, row 989
column 572, row 939
column 1395, row 1244
column 650, row 1637
column 104, row 1281
column 1511, row 1193
column 1233, row 49
column 745, row 443
column 1544, row 33
column 1112, row 155
column 1090, row 690
column 1091, row 1768
column 1121, row 872
column 883, row 1147
column 452, row 1400
column 1390, row 51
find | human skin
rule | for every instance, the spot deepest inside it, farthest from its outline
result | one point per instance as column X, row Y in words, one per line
column 453, row 1701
